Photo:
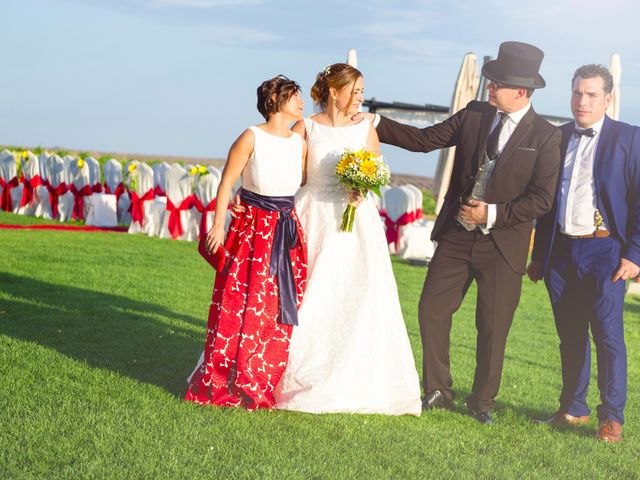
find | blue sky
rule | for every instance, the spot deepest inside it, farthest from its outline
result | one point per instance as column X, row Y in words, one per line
column 178, row 77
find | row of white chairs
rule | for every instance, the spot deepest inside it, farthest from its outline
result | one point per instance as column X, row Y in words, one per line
column 164, row 199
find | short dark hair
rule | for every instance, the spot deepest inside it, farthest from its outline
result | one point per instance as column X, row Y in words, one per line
column 594, row 70
column 274, row 93
column 530, row 91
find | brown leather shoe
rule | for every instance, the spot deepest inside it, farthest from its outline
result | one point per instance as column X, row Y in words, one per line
column 563, row 418
column 609, row 431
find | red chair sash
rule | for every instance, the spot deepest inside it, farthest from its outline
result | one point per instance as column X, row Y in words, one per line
column 120, row 189
column 159, row 191
column 5, row 199
column 97, row 188
column 27, row 190
column 211, row 207
column 392, row 227
column 54, row 196
column 137, row 204
column 175, row 222
column 78, row 200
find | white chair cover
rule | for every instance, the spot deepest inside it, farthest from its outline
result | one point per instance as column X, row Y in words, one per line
column 416, row 241
column 80, row 178
column 9, row 172
column 159, row 205
column 43, row 207
column 101, row 210
column 398, row 201
column 101, row 207
column 206, row 191
column 95, row 176
column 179, row 187
column 30, row 171
column 112, row 175
column 417, row 196
column 58, row 175
column 68, row 160
column 159, row 176
column 144, row 185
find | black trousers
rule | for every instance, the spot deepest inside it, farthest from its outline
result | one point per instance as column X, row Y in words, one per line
column 460, row 258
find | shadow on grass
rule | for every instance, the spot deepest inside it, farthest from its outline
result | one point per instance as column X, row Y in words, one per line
column 140, row 340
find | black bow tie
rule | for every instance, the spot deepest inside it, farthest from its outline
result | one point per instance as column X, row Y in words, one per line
column 587, row 132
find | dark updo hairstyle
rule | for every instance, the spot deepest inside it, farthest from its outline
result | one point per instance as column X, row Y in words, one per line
column 274, row 93
column 335, row 76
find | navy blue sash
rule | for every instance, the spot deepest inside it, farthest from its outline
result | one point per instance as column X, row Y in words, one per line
column 285, row 238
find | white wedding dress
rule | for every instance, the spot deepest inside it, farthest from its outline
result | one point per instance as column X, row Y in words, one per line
column 350, row 351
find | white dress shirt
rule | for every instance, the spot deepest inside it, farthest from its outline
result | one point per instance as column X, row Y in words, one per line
column 577, row 202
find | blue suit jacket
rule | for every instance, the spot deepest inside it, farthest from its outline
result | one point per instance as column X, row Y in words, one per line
column 616, row 171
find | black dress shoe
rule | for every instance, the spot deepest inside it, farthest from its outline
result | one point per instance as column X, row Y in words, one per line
column 436, row 399
column 483, row 417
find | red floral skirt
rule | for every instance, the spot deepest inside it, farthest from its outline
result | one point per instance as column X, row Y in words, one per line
column 246, row 349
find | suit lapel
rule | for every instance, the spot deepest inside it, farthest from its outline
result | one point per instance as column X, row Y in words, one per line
column 485, row 128
column 600, row 157
column 514, row 141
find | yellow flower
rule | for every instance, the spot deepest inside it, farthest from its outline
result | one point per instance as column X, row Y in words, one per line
column 132, row 167
column 369, row 168
column 193, row 170
column 25, row 155
column 202, row 170
column 80, row 163
column 345, row 162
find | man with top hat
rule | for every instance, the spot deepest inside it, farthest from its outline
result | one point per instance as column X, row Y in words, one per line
column 587, row 246
column 504, row 176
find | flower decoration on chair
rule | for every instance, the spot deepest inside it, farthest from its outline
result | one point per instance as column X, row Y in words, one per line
column 196, row 172
column 132, row 176
column 361, row 171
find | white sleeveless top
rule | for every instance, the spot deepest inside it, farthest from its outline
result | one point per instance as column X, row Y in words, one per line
column 325, row 147
column 275, row 167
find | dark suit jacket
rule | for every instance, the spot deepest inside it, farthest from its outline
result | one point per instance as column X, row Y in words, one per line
column 523, row 182
column 616, row 171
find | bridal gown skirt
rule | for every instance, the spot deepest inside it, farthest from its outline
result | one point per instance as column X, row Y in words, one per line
column 350, row 351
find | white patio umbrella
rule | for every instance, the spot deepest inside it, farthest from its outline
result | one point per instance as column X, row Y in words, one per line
column 465, row 91
column 352, row 58
column 613, row 110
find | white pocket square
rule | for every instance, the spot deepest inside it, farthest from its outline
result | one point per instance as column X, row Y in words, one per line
column 527, row 149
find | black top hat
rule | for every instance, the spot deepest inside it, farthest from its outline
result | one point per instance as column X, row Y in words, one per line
column 517, row 65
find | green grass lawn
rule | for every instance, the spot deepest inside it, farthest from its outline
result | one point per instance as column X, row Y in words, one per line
column 98, row 332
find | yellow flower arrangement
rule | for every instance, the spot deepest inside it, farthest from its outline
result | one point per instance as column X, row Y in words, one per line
column 360, row 171
column 202, row 170
column 132, row 167
column 81, row 163
column 193, row 170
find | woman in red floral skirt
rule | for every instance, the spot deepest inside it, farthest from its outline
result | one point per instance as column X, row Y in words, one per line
column 258, row 290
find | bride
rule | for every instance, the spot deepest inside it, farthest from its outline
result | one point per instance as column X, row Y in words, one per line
column 350, row 352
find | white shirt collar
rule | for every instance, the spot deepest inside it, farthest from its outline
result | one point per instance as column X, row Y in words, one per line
column 518, row 114
column 597, row 127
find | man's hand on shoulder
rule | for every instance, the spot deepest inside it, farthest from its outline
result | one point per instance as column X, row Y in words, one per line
column 364, row 116
column 626, row 270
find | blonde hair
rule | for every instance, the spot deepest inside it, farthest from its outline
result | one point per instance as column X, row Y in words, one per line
column 335, row 76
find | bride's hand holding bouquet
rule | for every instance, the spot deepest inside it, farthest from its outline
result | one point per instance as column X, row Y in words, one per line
column 361, row 171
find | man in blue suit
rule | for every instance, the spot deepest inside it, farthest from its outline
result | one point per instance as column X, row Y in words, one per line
column 587, row 246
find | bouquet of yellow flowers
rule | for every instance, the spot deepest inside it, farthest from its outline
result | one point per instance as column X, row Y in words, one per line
column 360, row 171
